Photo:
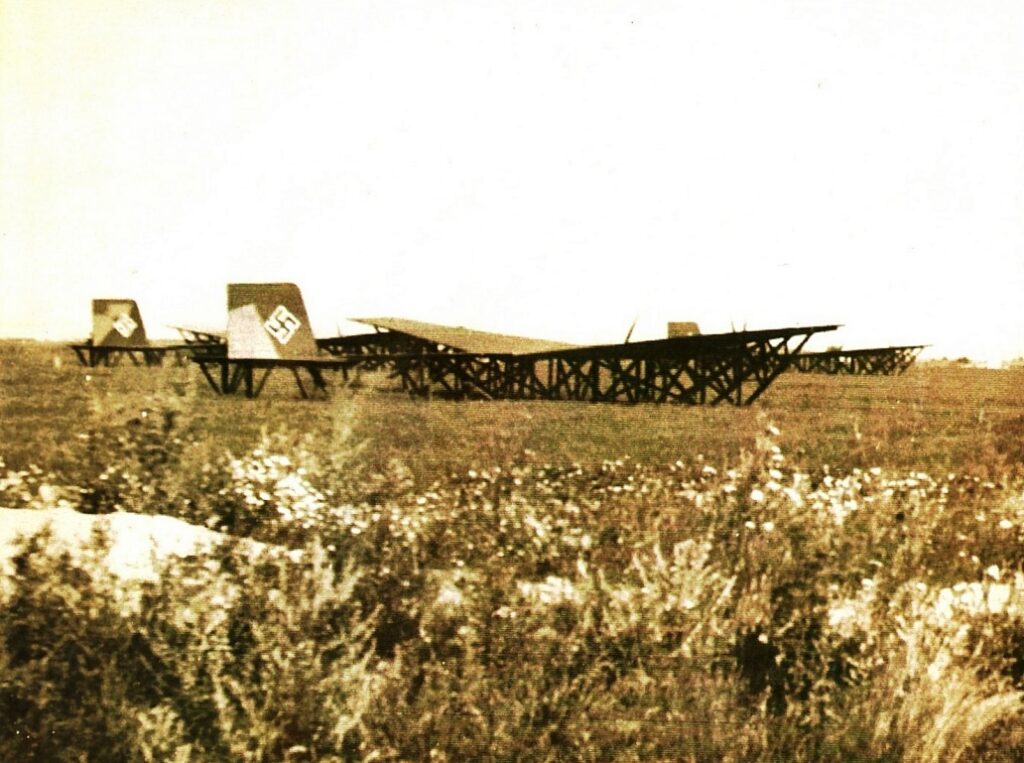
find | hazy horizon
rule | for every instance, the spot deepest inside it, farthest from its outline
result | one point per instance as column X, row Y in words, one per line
column 514, row 167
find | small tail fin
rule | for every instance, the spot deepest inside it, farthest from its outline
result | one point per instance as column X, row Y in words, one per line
column 268, row 321
column 117, row 323
column 683, row 328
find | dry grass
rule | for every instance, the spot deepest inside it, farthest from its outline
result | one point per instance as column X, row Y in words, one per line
column 530, row 581
column 933, row 419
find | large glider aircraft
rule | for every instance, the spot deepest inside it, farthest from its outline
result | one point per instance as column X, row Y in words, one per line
column 268, row 329
column 118, row 333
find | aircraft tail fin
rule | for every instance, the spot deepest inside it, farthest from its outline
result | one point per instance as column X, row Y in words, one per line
column 683, row 328
column 268, row 321
column 117, row 323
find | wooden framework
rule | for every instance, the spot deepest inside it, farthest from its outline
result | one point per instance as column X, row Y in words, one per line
column 196, row 342
column 92, row 355
column 734, row 368
column 342, row 355
column 882, row 361
column 376, row 349
column 203, row 343
column 192, row 336
column 227, row 376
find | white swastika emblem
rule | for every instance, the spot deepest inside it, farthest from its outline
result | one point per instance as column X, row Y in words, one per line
column 282, row 325
column 124, row 325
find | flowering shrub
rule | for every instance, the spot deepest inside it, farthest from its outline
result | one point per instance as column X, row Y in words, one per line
column 537, row 611
column 32, row 488
column 228, row 658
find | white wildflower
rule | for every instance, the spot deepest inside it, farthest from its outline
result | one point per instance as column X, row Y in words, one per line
column 534, row 524
column 944, row 605
column 841, row 615
column 998, row 596
column 939, row 665
column 972, row 596
column 449, row 596
column 554, row 590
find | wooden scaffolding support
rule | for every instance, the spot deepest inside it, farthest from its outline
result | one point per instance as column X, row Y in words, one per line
column 228, row 376
column 711, row 369
column 376, row 349
column 734, row 368
column 881, row 361
column 92, row 355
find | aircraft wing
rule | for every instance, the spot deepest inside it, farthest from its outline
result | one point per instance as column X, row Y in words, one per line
column 199, row 335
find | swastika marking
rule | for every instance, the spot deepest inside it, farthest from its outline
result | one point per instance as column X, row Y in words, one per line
column 282, row 325
column 124, row 325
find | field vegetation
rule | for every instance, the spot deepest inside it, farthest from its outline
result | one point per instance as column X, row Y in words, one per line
column 834, row 574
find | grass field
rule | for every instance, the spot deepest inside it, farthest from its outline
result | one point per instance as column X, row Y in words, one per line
column 934, row 419
column 834, row 574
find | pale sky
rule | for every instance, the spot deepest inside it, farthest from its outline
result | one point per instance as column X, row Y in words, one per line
column 548, row 169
